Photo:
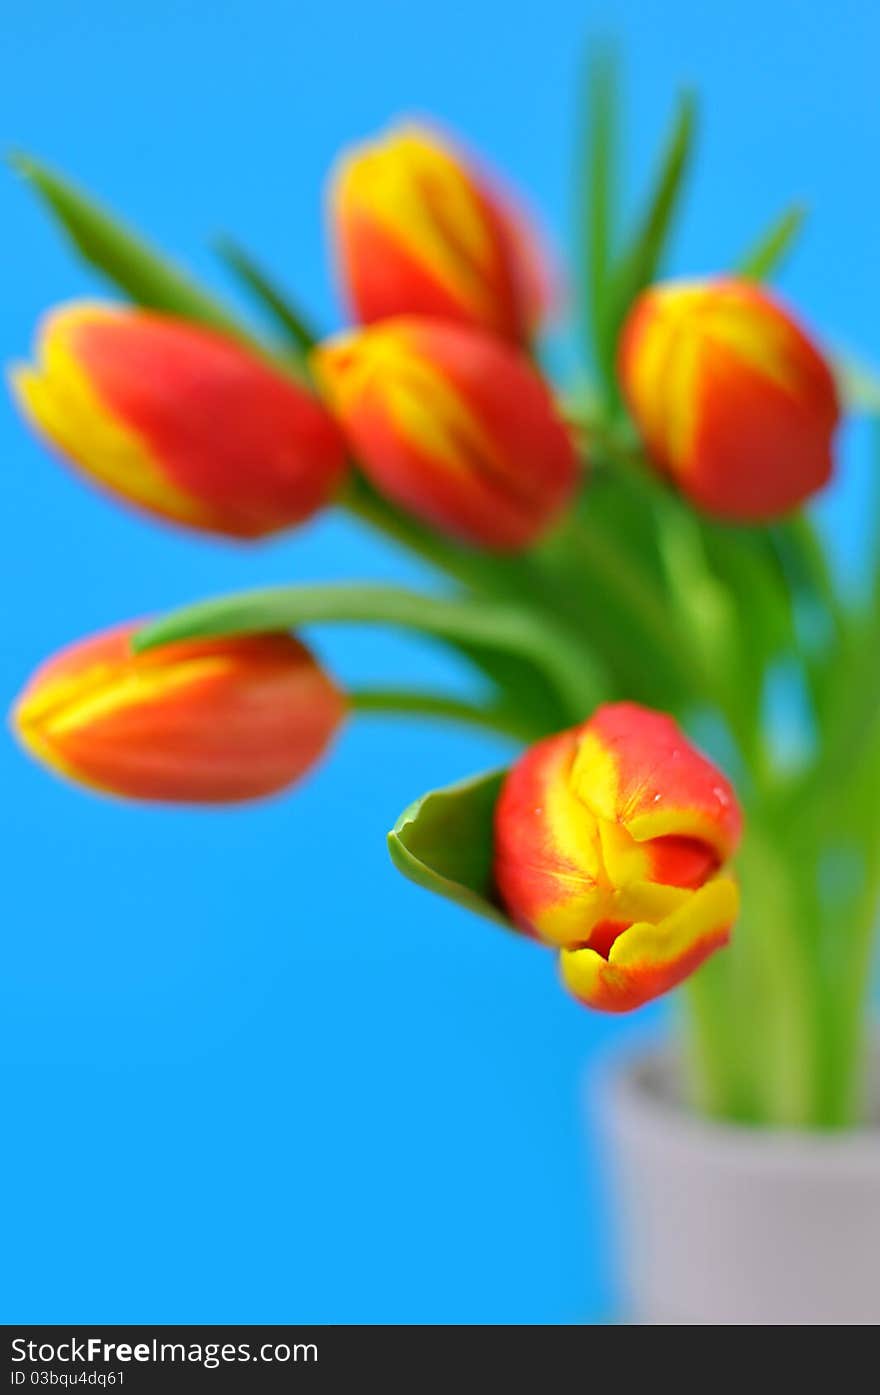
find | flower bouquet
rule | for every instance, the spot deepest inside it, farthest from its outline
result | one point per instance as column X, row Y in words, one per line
column 626, row 563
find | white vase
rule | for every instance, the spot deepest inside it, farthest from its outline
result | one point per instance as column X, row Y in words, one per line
column 724, row 1224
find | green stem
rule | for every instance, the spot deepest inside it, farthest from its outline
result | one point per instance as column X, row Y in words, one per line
column 850, row 1024
column 719, row 1085
column 629, row 584
column 603, row 603
column 489, row 573
column 804, row 537
column 849, row 929
column 778, row 1007
column 405, row 702
column 546, row 605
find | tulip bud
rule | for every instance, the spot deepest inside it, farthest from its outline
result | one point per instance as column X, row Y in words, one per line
column 610, row 841
column 180, row 421
column 208, row 721
column 733, row 400
column 420, row 232
column 455, row 426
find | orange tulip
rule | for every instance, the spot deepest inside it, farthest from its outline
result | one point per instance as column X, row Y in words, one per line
column 455, row 426
column 610, row 844
column 419, row 231
column 209, row 721
column 180, row 421
column 733, row 400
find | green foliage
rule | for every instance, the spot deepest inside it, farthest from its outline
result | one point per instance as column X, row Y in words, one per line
column 268, row 295
column 641, row 258
column 774, row 246
column 518, row 652
column 122, row 255
column 615, row 274
column 597, row 196
column 443, row 842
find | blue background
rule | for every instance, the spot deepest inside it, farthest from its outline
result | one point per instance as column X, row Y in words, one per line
column 249, row 1074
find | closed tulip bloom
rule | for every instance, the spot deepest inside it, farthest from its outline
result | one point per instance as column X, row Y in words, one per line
column 610, row 844
column 419, row 231
column 180, row 421
column 209, row 721
column 455, row 426
column 734, row 401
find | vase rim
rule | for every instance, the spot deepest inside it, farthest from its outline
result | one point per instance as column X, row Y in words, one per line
column 639, row 1092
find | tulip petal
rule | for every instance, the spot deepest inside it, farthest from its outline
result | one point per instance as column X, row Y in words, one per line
column 420, row 231
column 647, row 960
column 565, row 875
column 61, row 402
column 453, row 425
column 608, row 843
column 636, row 768
column 201, row 721
column 181, row 421
column 732, row 398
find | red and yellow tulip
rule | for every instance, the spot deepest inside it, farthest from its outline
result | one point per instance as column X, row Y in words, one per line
column 454, row 425
column 734, row 401
column 420, row 231
column 610, row 844
column 209, row 721
column 180, row 421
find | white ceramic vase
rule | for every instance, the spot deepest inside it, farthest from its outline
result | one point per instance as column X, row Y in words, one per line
column 723, row 1224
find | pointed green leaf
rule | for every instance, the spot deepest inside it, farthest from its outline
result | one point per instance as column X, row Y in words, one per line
column 641, row 261
column 269, row 295
column 444, row 842
column 596, row 232
column 121, row 255
column 774, row 246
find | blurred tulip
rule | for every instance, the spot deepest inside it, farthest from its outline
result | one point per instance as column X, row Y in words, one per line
column 609, row 843
column 419, row 231
column 733, row 400
column 211, row 721
column 180, row 421
column 454, row 425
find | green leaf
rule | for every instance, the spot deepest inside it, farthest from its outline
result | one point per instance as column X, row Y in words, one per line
column 269, row 295
column 479, row 629
column 596, row 232
column 121, row 255
column 627, row 618
column 641, row 261
column 875, row 530
column 286, row 607
column 444, row 842
column 774, row 245
column 700, row 605
column 746, row 562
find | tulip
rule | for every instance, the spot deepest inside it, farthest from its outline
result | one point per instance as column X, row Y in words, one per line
column 207, row 721
column 419, row 231
column 180, row 421
column 610, row 844
column 454, row 425
column 733, row 400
